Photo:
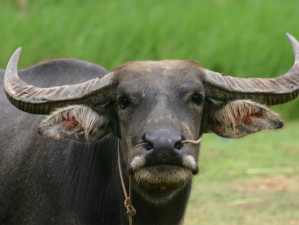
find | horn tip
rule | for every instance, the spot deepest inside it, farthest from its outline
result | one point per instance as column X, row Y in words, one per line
column 291, row 38
column 18, row 51
column 295, row 46
column 16, row 55
column 13, row 63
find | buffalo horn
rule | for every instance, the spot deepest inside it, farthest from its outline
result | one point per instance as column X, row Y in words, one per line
column 44, row 100
column 270, row 91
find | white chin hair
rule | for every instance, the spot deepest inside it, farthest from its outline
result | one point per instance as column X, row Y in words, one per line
column 156, row 175
column 159, row 185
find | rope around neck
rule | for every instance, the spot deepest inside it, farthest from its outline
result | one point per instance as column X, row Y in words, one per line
column 131, row 211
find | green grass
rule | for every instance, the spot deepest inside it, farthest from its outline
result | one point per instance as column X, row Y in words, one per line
column 253, row 180
column 239, row 38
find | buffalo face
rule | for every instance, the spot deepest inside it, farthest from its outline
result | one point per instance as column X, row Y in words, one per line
column 159, row 105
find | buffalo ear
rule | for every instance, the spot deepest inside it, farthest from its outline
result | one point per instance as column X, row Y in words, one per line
column 78, row 122
column 234, row 119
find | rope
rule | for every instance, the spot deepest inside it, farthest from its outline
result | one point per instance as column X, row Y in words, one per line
column 193, row 142
column 131, row 211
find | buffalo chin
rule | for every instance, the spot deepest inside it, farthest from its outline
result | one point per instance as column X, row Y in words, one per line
column 160, row 183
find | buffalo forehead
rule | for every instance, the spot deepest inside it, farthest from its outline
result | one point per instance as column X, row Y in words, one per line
column 174, row 69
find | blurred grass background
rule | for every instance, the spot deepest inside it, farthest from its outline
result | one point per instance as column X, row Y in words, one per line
column 249, row 181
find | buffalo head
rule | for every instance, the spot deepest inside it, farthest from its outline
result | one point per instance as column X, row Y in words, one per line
column 153, row 107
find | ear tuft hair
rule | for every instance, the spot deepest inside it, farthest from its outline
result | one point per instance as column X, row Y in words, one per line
column 239, row 118
column 77, row 122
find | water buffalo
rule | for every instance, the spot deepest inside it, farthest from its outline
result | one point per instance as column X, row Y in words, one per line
column 63, row 168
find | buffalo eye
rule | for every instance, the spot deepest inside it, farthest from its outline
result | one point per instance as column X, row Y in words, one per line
column 197, row 99
column 123, row 102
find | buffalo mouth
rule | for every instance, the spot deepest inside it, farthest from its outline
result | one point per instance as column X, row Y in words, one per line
column 162, row 174
column 159, row 183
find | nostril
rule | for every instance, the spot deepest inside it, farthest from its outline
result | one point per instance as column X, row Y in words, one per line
column 148, row 146
column 178, row 145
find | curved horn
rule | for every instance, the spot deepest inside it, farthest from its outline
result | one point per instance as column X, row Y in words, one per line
column 44, row 100
column 266, row 91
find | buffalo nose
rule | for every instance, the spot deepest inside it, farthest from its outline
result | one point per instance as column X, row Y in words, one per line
column 163, row 140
